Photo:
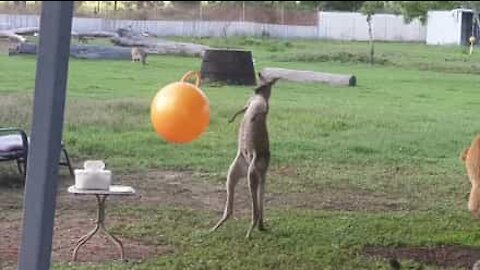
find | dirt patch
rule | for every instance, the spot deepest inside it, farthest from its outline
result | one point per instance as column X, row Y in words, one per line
column 69, row 227
column 184, row 189
column 442, row 256
column 196, row 191
column 75, row 217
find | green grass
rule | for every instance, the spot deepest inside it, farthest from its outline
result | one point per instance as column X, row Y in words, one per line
column 296, row 240
column 413, row 113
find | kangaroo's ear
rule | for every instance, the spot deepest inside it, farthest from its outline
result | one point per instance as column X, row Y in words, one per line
column 274, row 80
column 261, row 78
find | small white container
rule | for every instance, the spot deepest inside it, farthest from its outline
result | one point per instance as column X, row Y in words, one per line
column 93, row 176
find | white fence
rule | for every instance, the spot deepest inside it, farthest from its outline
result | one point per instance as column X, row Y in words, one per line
column 331, row 25
column 353, row 26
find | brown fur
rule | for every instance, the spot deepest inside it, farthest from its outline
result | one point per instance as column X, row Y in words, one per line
column 253, row 156
column 139, row 54
column 471, row 157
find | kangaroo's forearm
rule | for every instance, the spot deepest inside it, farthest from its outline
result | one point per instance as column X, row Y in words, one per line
column 236, row 114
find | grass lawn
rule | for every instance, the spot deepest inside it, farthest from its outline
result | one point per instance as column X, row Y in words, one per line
column 378, row 163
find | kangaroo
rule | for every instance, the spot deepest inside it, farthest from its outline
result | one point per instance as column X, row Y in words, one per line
column 253, row 156
column 471, row 158
column 139, row 54
column 13, row 48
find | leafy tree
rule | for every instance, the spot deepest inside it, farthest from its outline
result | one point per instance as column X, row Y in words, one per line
column 418, row 9
column 369, row 8
column 22, row 4
column 185, row 3
column 333, row 5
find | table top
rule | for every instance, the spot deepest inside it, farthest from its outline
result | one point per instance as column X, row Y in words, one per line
column 114, row 190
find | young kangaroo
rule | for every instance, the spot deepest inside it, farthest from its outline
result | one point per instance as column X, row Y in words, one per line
column 471, row 157
column 139, row 54
column 253, row 156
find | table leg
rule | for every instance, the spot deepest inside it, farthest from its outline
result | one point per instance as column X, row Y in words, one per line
column 99, row 226
column 82, row 241
column 117, row 242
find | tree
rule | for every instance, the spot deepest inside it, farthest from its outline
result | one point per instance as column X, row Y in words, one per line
column 185, row 3
column 418, row 9
column 333, row 5
column 77, row 5
column 369, row 8
column 18, row 4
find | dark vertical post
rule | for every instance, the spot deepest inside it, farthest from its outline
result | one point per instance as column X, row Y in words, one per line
column 46, row 135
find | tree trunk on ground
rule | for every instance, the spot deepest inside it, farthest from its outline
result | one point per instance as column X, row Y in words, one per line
column 113, row 52
column 12, row 36
column 81, row 51
column 136, row 40
column 305, row 76
column 164, row 47
column 95, row 34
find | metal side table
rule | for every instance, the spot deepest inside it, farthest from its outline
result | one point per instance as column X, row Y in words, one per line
column 101, row 196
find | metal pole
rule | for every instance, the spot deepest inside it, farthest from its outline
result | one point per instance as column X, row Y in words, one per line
column 46, row 135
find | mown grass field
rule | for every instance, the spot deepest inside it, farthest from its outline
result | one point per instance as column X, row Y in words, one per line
column 381, row 159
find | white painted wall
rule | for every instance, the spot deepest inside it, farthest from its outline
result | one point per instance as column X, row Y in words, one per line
column 331, row 25
column 16, row 21
column 207, row 28
column 444, row 27
column 353, row 26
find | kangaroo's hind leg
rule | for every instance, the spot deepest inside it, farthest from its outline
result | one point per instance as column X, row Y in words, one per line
column 253, row 182
column 237, row 170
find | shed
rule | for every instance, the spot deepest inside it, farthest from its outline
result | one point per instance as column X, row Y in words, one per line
column 451, row 27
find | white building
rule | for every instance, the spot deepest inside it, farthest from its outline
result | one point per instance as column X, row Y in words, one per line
column 449, row 27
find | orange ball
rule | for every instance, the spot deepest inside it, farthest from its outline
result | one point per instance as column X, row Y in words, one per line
column 180, row 112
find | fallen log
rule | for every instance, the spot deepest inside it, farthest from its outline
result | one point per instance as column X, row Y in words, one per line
column 80, row 51
column 12, row 36
column 95, row 34
column 162, row 47
column 15, row 35
column 131, row 42
column 305, row 76
column 85, row 37
column 29, row 31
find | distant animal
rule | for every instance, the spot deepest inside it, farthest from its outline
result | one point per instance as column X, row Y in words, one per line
column 83, row 39
column 471, row 157
column 13, row 48
column 253, row 156
column 125, row 32
column 471, row 40
column 139, row 54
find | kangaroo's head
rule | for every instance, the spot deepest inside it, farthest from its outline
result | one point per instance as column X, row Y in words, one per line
column 265, row 87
